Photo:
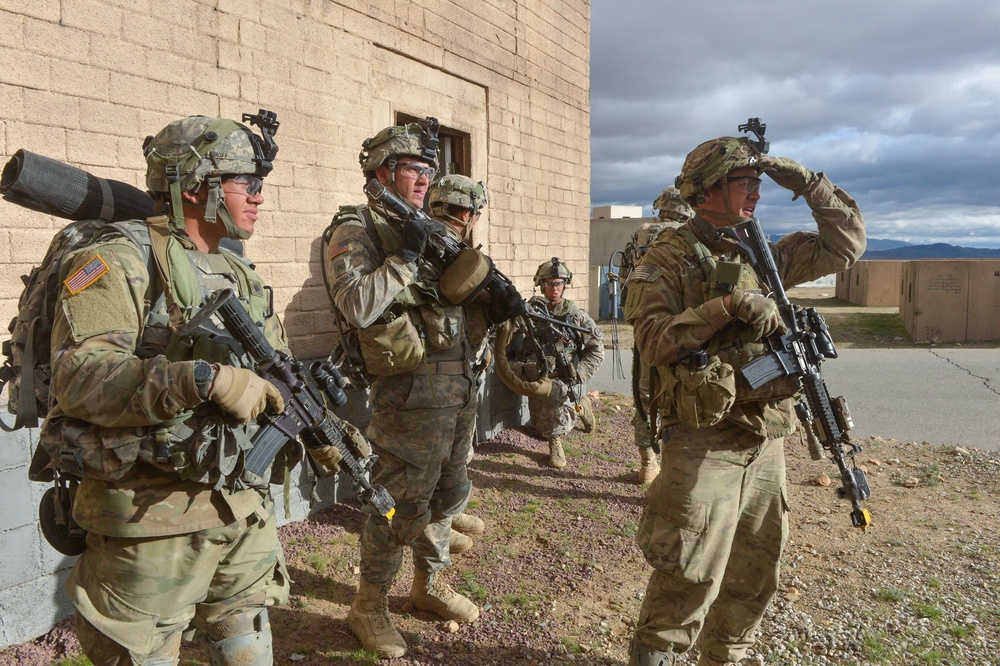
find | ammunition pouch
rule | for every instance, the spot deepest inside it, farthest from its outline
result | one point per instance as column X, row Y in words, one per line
column 394, row 348
column 466, row 276
column 776, row 389
column 698, row 397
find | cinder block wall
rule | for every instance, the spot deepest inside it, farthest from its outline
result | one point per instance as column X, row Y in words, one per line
column 84, row 81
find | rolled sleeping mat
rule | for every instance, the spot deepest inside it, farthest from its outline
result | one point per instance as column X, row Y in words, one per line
column 53, row 187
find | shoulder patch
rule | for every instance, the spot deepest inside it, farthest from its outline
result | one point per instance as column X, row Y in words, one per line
column 644, row 273
column 338, row 248
column 87, row 275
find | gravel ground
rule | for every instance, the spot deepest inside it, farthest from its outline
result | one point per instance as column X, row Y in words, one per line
column 559, row 579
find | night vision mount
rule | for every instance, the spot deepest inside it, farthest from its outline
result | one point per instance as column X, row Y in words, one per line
column 264, row 147
column 754, row 126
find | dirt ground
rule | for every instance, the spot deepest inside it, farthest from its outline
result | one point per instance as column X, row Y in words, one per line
column 559, row 578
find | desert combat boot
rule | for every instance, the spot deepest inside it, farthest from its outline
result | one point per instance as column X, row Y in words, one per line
column 467, row 524
column 458, row 543
column 369, row 620
column 431, row 593
column 557, row 458
column 586, row 413
column 650, row 465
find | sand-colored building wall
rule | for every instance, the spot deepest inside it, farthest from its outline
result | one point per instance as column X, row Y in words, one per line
column 871, row 283
column 85, row 81
column 951, row 300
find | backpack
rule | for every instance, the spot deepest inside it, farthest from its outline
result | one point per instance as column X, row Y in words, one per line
column 27, row 368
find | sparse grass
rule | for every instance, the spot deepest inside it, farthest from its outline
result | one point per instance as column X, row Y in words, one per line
column 472, row 588
column 571, row 646
column 874, row 647
column 959, row 631
column 524, row 519
column 318, row 561
column 523, row 601
column 929, row 474
column 927, row 610
column 891, row 594
column 934, row 583
column 893, row 541
column 932, row 657
column 77, row 660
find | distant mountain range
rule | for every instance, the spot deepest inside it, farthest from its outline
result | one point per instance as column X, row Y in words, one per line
column 879, row 248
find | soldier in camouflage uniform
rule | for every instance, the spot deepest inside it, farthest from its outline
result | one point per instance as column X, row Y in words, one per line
column 458, row 201
column 555, row 414
column 715, row 519
column 421, row 352
column 179, row 536
column 672, row 212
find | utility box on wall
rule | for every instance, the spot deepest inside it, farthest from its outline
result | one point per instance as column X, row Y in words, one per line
column 951, row 300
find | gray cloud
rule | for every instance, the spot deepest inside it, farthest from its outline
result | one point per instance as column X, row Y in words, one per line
column 898, row 103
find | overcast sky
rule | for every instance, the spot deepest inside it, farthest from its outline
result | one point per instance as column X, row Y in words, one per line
column 898, row 102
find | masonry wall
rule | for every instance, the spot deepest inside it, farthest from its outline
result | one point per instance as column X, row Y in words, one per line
column 84, row 81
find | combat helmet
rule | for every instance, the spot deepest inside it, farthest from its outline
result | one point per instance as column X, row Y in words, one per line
column 553, row 268
column 671, row 206
column 419, row 139
column 711, row 161
column 197, row 149
column 456, row 190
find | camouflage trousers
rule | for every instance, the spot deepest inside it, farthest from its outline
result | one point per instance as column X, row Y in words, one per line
column 135, row 597
column 713, row 529
column 552, row 416
column 422, row 430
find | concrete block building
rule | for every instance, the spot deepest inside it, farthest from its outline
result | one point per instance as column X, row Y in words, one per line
column 84, row 81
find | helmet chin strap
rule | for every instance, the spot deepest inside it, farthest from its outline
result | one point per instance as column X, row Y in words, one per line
column 463, row 225
column 729, row 215
column 215, row 209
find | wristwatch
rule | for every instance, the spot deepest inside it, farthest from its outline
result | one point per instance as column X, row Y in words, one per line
column 204, row 373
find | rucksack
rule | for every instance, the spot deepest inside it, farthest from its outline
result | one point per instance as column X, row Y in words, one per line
column 27, row 368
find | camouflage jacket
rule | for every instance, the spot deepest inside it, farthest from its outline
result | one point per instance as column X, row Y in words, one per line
column 672, row 308
column 123, row 384
column 367, row 282
column 584, row 353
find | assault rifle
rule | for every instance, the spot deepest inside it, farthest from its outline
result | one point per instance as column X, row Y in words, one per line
column 546, row 335
column 798, row 352
column 443, row 250
column 306, row 395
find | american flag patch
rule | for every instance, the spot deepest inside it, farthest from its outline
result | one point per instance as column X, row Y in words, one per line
column 87, row 275
column 339, row 248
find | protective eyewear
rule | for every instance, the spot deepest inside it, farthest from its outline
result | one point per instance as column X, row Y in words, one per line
column 745, row 184
column 555, row 284
column 413, row 171
column 252, row 184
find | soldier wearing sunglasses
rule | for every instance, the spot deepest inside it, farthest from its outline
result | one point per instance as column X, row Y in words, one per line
column 715, row 520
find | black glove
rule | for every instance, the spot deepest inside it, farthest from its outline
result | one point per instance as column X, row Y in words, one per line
column 413, row 240
column 505, row 304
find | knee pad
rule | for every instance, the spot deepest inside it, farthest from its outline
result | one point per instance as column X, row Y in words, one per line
column 240, row 640
column 409, row 521
column 451, row 501
column 643, row 655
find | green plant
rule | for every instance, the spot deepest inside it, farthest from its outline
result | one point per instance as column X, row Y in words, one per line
column 893, row 541
column 75, row 660
column 932, row 657
column 892, row 594
column 875, row 648
column 959, row 631
column 927, row 610
column 319, row 562
column 471, row 587
column 929, row 474
column 571, row 646
column 934, row 583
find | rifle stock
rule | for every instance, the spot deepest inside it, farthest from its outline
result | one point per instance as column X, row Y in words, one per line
column 799, row 352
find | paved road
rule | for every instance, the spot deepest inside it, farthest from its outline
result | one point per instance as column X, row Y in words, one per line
column 942, row 396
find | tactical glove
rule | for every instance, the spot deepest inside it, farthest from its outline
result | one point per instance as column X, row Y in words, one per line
column 759, row 312
column 788, row 173
column 413, row 241
column 243, row 394
column 505, row 305
column 327, row 457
